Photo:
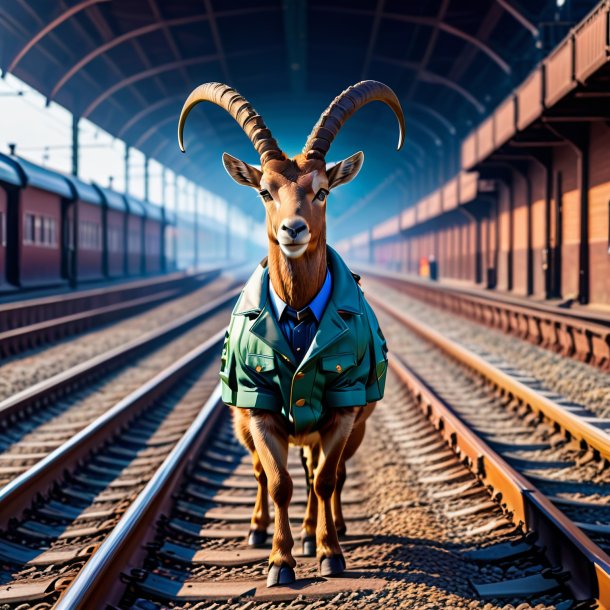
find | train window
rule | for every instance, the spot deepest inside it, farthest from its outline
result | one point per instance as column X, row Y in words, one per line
column 38, row 233
column 2, row 229
column 29, row 233
column 49, row 231
column 89, row 235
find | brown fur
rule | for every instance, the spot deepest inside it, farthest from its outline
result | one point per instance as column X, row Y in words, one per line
column 293, row 185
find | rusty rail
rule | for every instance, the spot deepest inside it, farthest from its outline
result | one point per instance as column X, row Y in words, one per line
column 83, row 373
column 61, row 316
column 584, row 336
column 99, row 581
column 16, row 314
column 572, row 425
column 566, row 545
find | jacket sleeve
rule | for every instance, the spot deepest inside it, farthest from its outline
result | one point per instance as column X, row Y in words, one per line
column 378, row 352
column 228, row 381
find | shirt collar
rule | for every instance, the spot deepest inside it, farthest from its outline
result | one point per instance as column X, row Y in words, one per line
column 317, row 305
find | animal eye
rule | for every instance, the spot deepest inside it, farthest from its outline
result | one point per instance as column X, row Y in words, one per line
column 321, row 195
column 266, row 195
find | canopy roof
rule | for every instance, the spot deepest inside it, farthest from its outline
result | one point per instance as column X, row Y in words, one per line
column 128, row 65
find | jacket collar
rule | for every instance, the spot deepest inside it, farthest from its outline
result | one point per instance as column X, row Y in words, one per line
column 344, row 299
column 345, row 292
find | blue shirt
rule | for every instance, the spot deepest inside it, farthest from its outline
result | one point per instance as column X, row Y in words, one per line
column 287, row 325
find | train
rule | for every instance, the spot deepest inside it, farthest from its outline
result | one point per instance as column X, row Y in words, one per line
column 58, row 229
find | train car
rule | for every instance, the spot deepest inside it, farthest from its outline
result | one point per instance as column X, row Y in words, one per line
column 170, row 243
column 153, row 237
column 83, row 233
column 35, row 256
column 115, row 232
column 10, row 182
column 135, row 235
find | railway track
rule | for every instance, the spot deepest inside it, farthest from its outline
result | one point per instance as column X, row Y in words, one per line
column 573, row 333
column 40, row 419
column 80, row 491
column 34, row 322
column 158, row 514
column 544, row 459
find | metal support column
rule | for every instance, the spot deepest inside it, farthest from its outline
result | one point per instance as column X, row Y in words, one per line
column 75, row 145
column 127, row 155
column 146, row 178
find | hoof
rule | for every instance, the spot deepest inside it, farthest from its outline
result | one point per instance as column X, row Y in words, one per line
column 256, row 538
column 309, row 546
column 341, row 531
column 332, row 566
column 280, row 575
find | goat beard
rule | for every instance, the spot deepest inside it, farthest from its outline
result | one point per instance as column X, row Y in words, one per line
column 298, row 280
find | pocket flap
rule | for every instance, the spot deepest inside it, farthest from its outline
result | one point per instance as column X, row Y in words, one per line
column 338, row 362
column 260, row 363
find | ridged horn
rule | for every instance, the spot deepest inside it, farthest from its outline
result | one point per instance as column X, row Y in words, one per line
column 342, row 108
column 241, row 110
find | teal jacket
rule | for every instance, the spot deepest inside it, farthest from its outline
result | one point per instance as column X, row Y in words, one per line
column 345, row 365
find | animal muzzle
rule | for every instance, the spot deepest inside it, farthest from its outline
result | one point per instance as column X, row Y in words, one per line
column 293, row 236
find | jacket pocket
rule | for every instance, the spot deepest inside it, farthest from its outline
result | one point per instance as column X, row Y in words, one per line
column 337, row 363
column 260, row 363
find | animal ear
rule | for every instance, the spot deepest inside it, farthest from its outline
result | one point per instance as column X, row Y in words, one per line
column 345, row 171
column 241, row 172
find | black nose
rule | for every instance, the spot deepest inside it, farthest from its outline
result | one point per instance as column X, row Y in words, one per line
column 293, row 230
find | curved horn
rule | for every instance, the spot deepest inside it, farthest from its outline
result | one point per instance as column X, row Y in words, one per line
column 342, row 108
column 241, row 110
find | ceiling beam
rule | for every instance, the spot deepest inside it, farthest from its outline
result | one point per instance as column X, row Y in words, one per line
column 429, row 21
column 433, row 113
column 519, row 16
column 435, row 79
column 47, row 29
column 423, row 64
column 143, row 75
column 115, row 42
column 136, row 118
column 373, row 38
column 295, row 32
column 211, row 15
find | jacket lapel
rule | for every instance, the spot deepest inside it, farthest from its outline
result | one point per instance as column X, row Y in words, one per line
column 332, row 326
column 267, row 329
column 254, row 301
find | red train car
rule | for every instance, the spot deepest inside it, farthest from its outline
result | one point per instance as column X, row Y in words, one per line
column 115, row 232
column 170, row 243
column 36, row 258
column 10, row 181
column 135, row 235
column 84, row 233
column 153, row 237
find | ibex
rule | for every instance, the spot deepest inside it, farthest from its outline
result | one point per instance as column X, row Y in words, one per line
column 304, row 359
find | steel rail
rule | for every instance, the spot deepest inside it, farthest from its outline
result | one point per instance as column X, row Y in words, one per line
column 565, row 543
column 82, row 373
column 14, row 314
column 24, row 337
column 572, row 424
column 98, row 583
column 17, row 495
column 583, row 335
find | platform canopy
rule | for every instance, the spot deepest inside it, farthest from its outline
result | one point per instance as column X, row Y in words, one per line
column 128, row 65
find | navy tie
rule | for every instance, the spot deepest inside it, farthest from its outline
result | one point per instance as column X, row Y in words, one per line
column 300, row 328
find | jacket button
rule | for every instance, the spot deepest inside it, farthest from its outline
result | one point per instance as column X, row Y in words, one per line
column 259, row 368
column 300, row 402
column 300, row 375
column 339, row 369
